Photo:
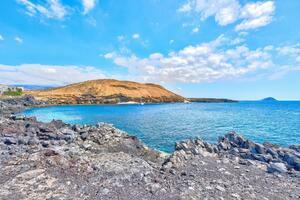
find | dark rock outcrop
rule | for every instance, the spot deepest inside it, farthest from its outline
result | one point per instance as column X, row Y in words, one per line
column 14, row 105
column 267, row 153
column 211, row 100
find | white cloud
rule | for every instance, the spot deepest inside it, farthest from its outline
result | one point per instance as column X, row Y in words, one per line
column 187, row 7
column 237, row 41
column 292, row 50
column 252, row 15
column 49, row 9
column 88, row 5
column 291, row 53
column 224, row 11
column 200, row 63
column 269, row 48
column 256, row 15
column 258, row 9
column 171, row 41
column 18, row 40
column 195, row 30
column 109, row 55
column 141, row 41
column 288, row 57
column 1, row 38
column 220, row 59
column 121, row 38
column 136, row 36
column 284, row 70
column 243, row 34
column 37, row 74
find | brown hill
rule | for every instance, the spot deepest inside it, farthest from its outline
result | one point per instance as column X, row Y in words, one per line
column 106, row 91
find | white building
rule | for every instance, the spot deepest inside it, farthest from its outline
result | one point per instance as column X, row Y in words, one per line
column 5, row 88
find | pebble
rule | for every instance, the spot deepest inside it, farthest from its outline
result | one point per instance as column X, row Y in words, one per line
column 220, row 188
column 236, row 196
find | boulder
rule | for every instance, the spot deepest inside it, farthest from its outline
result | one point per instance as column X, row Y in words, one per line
column 273, row 153
column 33, row 141
column 292, row 160
column 277, row 167
column 260, row 149
column 84, row 136
column 57, row 123
column 196, row 147
column 23, row 140
column 9, row 140
column 224, row 145
column 295, row 148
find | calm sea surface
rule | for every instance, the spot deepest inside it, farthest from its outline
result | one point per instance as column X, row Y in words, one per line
column 161, row 125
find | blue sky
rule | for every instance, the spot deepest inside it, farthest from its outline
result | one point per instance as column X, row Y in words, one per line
column 243, row 49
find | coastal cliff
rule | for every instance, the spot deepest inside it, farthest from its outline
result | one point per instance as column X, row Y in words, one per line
column 106, row 91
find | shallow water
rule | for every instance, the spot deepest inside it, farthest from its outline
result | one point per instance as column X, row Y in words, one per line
column 161, row 125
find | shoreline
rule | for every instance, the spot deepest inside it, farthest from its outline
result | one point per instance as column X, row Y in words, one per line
column 259, row 135
column 55, row 152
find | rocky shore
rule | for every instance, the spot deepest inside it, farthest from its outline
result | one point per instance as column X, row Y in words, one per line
column 211, row 100
column 61, row 161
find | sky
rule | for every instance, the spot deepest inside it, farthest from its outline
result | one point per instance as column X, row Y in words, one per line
column 237, row 49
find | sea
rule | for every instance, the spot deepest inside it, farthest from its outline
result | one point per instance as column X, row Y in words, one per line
column 160, row 126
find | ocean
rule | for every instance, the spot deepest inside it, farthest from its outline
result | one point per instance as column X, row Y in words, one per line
column 161, row 125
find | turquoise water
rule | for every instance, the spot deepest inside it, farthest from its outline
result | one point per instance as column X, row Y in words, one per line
column 161, row 125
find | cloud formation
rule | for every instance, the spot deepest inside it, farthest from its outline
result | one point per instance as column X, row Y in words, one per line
column 256, row 15
column 220, row 59
column 37, row 74
column 18, row 40
column 250, row 16
column 291, row 50
column 204, row 62
column 195, row 30
column 136, row 36
column 49, row 9
column 88, row 5
column 1, row 38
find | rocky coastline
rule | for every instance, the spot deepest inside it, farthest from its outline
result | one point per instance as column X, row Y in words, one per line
column 61, row 161
column 211, row 100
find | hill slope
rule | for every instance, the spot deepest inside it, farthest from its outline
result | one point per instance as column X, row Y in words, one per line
column 106, row 91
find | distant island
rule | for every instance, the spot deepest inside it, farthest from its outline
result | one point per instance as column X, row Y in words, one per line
column 269, row 99
column 211, row 100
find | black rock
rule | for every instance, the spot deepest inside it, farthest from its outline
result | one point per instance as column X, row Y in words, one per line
column 273, row 153
column 84, row 136
column 33, row 141
column 295, row 147
column 9, row 140
column 260, row 149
